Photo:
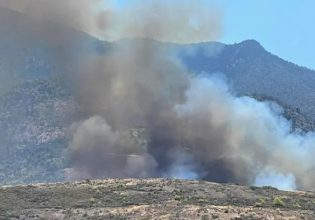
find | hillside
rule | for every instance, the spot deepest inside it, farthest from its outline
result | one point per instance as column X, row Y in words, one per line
column 152, row 198
column 34, row 120
column 253, row 70
column 30, row 50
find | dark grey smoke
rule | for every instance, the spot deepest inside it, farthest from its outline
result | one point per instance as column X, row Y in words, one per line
column 194, row 127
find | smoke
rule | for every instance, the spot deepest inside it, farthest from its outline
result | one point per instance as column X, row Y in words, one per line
column 146, row 115
column 163, row 20
column 284, row 182
column 196, row 128
column 249, row 136
column 185, row 22
column 97, row 150
column 79, row 14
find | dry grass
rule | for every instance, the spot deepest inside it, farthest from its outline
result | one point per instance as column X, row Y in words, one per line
column 152, row 198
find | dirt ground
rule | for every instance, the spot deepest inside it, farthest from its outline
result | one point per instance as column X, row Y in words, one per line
column 152, row 199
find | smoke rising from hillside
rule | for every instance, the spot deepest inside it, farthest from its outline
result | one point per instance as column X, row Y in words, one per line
column 194, row 126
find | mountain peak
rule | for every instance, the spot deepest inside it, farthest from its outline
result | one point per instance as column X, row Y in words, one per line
column 248, row 48
column 251, row 44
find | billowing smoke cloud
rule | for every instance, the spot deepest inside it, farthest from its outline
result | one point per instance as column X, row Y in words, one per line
column 250, row 137
column 133, row 86
column 195, row 127
column 97, row 150
column 145, row 115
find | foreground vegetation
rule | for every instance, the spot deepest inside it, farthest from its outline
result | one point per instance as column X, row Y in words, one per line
column 147, row 199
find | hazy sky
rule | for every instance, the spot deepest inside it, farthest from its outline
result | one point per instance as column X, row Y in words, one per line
column 284, row 27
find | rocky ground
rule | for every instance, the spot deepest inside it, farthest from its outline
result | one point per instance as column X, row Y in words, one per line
column 152, row 199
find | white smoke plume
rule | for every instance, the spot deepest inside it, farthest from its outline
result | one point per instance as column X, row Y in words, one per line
column 194, row 126
column 250, row 133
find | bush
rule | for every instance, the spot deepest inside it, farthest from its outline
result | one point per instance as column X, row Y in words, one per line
column 261, row 203
column 277, row 201
column 297, row 205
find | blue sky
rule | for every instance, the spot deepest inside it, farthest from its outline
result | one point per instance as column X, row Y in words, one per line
column 284, row 27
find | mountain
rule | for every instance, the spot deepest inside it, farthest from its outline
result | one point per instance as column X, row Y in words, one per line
column 29, row 50
column 252, row 70
column 37, row 108
column 32, row 49
column 152, row 199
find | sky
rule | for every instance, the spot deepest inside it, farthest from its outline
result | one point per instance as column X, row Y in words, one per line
column 284, row 27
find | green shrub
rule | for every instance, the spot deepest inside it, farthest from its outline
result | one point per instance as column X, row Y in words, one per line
column 297, row 205
column 260, row 203
column 277, row 201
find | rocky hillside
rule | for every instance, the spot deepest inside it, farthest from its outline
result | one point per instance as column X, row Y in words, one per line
column 152, row 198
